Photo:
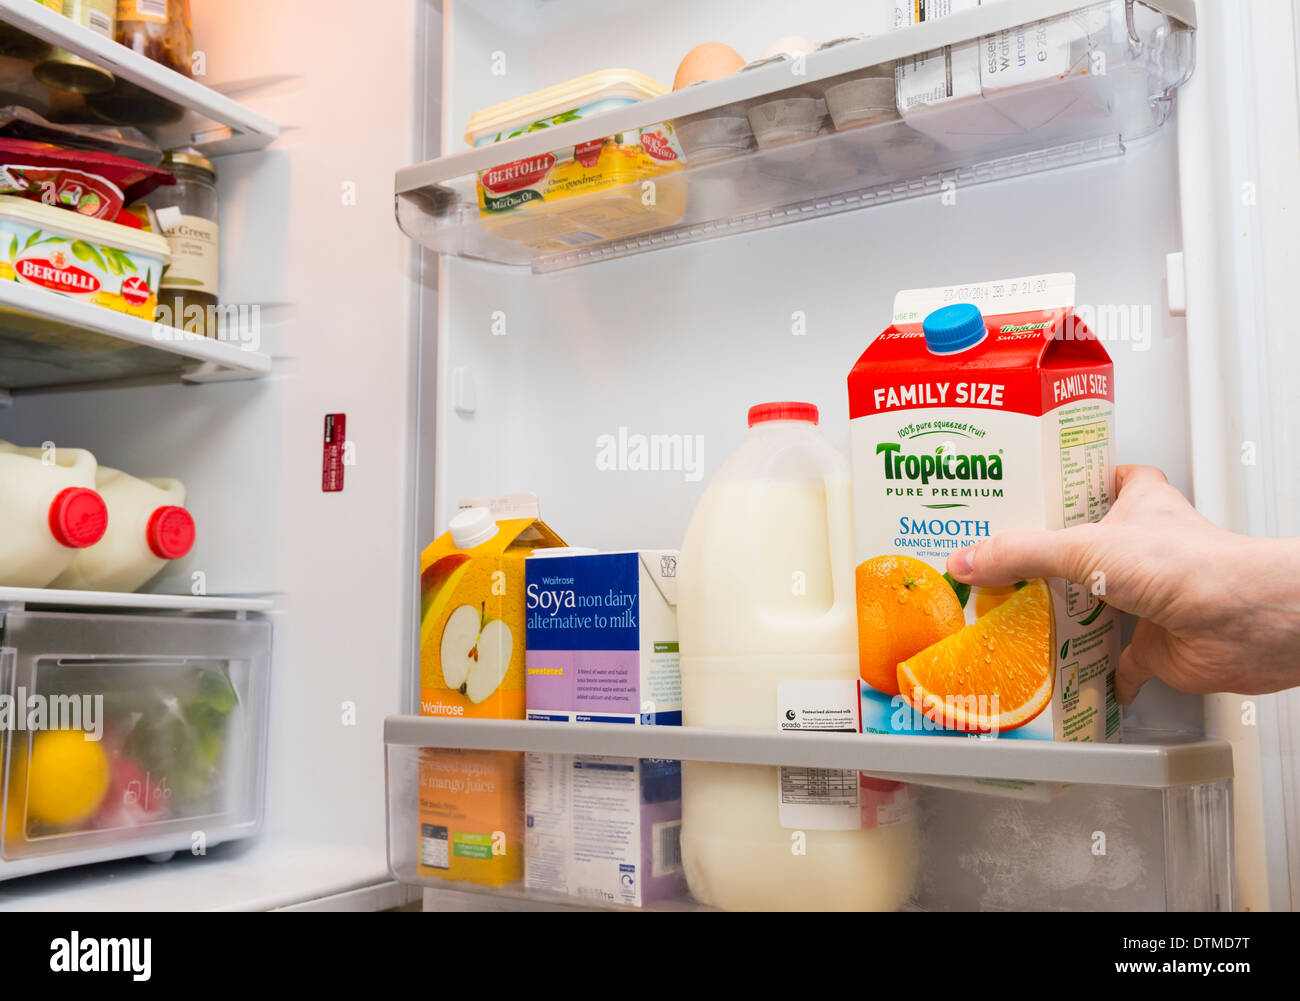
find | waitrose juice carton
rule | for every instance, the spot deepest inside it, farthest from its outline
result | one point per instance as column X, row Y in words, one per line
column 981, row 409
column 602, row 648
column 472, row 665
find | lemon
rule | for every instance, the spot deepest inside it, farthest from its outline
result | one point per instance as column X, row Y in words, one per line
column 67, row 777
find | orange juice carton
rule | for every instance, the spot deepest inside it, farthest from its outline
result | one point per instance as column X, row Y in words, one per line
column 968, row 420
column 602, row 648
column 472, row 665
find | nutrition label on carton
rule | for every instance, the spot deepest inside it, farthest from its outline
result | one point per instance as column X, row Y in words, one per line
column 1084, row 496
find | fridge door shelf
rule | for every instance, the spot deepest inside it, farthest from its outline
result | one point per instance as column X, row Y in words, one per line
column 1157, row 761
column 49, row 340
column 999, row 824
column 789, row 141
column 173, row 109
column 174, row 757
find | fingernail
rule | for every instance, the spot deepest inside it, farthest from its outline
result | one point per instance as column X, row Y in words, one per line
column 962, row 562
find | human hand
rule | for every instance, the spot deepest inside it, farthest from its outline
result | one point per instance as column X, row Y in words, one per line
column 1219, row 611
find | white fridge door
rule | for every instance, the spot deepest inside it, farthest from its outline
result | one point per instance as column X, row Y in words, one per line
column 1239, row 141
column 308, row 237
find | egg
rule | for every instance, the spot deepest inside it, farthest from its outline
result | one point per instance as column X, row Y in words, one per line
column 709, row 61
column 789, row 46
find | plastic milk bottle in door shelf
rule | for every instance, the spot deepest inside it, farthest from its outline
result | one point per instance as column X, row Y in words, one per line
column 768, row 641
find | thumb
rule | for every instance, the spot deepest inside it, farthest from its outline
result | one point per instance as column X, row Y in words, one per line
column 1014, row 556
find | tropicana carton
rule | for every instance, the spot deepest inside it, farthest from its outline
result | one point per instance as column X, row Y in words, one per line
column 965, row 421
column 471, row 803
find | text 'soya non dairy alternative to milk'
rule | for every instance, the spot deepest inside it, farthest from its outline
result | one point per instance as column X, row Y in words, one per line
column 963, row 425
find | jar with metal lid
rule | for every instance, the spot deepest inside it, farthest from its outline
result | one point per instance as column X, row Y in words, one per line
column 159, row 29
column 188, row 216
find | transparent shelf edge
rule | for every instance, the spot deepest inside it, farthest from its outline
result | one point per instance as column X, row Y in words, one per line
column 1179, row 761
column 859, row 125
column 22, row 597
column 44, row 341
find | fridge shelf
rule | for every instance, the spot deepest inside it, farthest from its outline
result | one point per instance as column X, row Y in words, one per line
column 850, row 126
column 1165, row 761
column 984, row 825
column 49, row 341
column 20, row 598
column 174, row 110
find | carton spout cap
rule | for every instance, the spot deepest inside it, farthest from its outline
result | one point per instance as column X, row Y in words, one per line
column 954, row 328
column 472, row 527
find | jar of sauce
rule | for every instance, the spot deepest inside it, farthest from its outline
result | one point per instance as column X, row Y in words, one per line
column 188, row 217
column 158, row 29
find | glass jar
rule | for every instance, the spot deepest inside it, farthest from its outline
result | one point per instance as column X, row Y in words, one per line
column 187, row 216
column 158, row 29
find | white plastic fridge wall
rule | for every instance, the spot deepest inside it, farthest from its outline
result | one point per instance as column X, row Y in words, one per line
column 335, row 281
column 682, row 341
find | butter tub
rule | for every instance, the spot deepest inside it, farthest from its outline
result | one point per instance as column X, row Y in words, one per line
column 83, row 258
column 540, row 201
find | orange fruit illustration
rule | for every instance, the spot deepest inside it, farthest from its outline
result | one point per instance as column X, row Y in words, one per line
column 904, row 606
column 988, row 598
column 1007, row 654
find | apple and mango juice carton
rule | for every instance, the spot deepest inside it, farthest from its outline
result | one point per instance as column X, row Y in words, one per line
column 472, row 665
column 602, row 648
column 965, row 421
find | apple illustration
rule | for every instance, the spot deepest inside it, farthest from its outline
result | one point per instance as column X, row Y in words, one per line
column 475, row 652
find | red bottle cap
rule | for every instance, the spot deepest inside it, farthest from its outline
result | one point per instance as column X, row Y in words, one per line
column 785, row 411
column 170, row 532
column 78, row 517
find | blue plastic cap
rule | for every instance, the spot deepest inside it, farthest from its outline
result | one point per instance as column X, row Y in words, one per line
column 953, row 328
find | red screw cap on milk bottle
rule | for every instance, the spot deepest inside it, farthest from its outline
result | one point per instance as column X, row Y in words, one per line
column 784, row 411
column 170, row 532
column 78, row 517
column 954, row 328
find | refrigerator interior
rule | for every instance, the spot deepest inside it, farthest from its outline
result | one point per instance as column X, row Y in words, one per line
column 359, row 321
column 523, row 374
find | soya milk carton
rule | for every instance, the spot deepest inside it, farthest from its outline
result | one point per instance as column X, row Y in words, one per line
column 602, row 648
column 968, row 420
column 472, row 665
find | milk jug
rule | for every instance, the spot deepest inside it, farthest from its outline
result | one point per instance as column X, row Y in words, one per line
column 147, row 527
column 48, row 511
column 768, row 635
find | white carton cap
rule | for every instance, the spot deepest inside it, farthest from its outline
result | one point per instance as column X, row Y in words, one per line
column 472, row 527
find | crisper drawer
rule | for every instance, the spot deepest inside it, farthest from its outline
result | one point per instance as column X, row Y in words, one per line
column 671, row 817
column 129, row 735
